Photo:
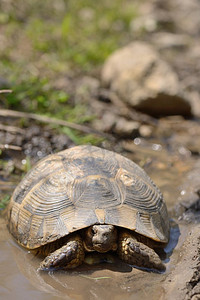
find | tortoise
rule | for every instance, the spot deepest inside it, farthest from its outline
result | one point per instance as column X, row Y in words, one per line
column 86, row 199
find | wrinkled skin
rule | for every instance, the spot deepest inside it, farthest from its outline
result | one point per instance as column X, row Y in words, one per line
column 103, row 238
column 100, row 238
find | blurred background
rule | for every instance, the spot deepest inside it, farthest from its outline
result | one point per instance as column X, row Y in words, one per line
column 43, row 43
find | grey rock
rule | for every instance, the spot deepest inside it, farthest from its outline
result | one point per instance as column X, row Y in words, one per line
column 143, row 80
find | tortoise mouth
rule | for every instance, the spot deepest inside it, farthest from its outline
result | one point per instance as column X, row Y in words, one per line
column 101, row 248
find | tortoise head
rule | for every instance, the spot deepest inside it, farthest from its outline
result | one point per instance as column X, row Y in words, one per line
column 100, row 238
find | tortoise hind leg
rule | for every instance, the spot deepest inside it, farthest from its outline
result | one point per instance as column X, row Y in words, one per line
column 133, row 252
column 69, row 256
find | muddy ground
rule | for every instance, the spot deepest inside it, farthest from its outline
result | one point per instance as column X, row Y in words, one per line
column 167, row 147
column 176, row 173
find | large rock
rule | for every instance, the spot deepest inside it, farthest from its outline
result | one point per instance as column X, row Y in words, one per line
column 143, row 80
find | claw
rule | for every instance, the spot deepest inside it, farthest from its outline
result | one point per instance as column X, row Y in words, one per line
column 138, row 254
column 68, row 256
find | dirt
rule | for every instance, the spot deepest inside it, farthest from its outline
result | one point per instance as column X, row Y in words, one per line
column 183, row 280
column 36, row 141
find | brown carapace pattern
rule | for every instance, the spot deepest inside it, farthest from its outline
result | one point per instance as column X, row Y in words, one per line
column 82, row 186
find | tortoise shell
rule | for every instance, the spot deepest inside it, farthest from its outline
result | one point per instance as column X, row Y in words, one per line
column 82, row 186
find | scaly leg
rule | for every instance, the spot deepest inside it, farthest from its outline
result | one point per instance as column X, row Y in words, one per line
column 68, row 256
column 136, row 253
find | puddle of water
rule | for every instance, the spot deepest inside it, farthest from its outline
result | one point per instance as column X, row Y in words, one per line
column 13, row 283
column 20, row 279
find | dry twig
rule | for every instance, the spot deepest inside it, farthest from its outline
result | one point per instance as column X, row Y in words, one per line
column 12, row 129
column 10, row 147
column 5, row 91
column 44, row 119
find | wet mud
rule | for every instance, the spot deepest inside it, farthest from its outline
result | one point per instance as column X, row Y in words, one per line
column 104, row 281
column 177, row 178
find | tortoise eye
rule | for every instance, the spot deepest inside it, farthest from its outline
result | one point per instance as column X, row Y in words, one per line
column 93, row 231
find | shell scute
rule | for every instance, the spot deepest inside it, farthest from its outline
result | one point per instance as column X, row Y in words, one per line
column 82, row 186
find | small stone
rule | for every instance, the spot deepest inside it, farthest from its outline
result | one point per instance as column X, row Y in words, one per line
column 106, row 123
column 145, row 131
column 125, row 127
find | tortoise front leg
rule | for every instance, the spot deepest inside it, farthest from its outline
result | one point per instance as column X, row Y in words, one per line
column 133, row 252
column 68, row 256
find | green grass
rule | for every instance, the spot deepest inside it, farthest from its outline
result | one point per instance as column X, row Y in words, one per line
column 4, row 201
column 36, row 95
column 62, row 35
column 79, row 34
column 46, row 40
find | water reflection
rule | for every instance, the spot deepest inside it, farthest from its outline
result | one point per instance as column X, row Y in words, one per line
column 102, row 281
